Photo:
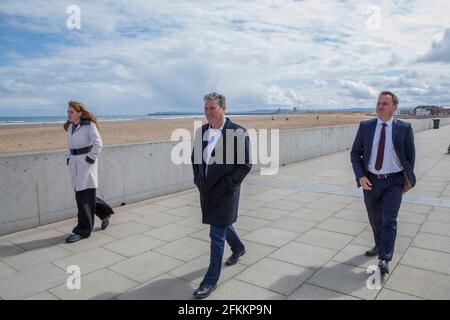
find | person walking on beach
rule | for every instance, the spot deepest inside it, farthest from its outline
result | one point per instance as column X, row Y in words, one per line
column 383, row 156
column 84, row 145
column 220, row 162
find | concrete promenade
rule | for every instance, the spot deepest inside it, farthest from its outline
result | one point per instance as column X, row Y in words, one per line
column 305, row 229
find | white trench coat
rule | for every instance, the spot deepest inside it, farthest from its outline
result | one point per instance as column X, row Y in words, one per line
column 83, row 174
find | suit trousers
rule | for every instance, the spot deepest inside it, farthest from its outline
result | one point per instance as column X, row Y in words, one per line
column 383, row 203
column 218, row 235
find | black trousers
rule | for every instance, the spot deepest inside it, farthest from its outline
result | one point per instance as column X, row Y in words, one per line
column 86, row 203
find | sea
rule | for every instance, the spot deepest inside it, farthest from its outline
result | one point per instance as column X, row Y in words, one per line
column 61, row 119
column 18, row 120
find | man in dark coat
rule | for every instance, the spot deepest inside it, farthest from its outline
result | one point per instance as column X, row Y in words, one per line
column 220, row 162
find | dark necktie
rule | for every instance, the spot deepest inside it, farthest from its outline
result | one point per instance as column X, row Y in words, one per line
column 380, row 153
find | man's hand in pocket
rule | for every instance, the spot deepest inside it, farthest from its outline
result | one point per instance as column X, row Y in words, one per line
column 365, row 183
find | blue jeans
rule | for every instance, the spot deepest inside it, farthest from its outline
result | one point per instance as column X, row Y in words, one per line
column 383, row 203
column 218, row 235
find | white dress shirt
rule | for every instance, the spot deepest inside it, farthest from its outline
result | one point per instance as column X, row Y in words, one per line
column 391, row 163
column 213, row 137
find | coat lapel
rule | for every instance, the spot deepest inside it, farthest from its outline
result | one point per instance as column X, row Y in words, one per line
column 395, row 136
column 204, row 144
column 218, row 149
column 372, row 128
column 76, row 129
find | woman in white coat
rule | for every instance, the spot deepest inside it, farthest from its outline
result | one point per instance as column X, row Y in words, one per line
column 84, row 145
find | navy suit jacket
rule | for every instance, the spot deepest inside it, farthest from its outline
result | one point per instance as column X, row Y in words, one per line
column 402, row 138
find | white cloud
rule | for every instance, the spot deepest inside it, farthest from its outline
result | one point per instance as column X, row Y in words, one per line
column 142, row 56
column 319, row 83
column 279, row 97
column 440, row 49
column 358, row 90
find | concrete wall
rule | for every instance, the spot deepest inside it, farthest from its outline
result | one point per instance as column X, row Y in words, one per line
column 35, row 187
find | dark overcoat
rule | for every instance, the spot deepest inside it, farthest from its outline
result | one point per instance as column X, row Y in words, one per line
column 220, row 188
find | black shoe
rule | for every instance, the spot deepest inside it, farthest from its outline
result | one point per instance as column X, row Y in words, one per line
column 106, row 222
column 73, row 237
column 372, row 252
column 233, row 259
column 384, row 266
column 204, row 290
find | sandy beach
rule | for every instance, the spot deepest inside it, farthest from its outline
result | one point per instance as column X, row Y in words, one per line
column 41, row 137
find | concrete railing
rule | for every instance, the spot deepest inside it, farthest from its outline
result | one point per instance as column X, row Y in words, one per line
column 35, row 187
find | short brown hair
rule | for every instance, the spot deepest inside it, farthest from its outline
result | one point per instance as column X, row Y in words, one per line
column 220, row 98
column 392, row 95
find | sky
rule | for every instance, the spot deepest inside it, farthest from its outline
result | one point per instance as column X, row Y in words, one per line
column 143, row 56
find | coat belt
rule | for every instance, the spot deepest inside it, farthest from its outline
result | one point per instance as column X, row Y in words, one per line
column 84, row 150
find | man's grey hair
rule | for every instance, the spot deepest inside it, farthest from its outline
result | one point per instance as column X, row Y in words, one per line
column 220, row 98
column 392, row 95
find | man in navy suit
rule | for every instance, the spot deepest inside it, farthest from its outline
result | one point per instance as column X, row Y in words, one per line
column 383, row 156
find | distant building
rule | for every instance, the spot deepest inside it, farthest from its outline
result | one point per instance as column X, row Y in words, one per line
column 406, row 112
column 423, row 111
column 446, row 110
